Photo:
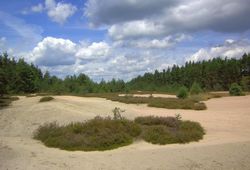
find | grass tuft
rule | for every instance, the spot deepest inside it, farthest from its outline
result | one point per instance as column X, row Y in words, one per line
column 46, row 99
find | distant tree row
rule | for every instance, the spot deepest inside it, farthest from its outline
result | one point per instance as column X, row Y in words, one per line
column 17, row 76
column 215, row 74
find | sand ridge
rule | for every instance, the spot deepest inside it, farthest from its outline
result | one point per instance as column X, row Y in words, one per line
column 225, row 146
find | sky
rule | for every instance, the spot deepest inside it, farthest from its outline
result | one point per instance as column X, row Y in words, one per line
column 122, row 39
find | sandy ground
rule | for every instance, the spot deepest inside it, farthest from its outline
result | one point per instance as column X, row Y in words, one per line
column 225, row 146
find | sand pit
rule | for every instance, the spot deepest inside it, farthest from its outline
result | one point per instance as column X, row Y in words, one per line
column 225, row 146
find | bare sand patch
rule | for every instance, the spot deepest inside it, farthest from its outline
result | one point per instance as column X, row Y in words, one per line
column 225, row 146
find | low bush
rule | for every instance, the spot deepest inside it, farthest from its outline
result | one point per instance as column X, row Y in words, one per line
column 96, row 134
column 235, row 90
column 200, row 106
column 182, row 93
column 152, row 120
column 46, row 99
column 172, row 103
column 195, row 89
column 110, row 133
column 160, row 133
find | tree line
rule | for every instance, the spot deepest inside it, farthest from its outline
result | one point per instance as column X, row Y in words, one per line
column 18, row 76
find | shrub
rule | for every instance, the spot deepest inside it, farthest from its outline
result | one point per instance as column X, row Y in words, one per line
column 235, row 90
column 182, row 93
column 96, row 134
column 195, row 88
column 154, row 120
column 46, row 99
column 200, row 106
column 185, row 132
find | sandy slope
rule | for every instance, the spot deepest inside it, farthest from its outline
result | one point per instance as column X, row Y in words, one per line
column 225, row 146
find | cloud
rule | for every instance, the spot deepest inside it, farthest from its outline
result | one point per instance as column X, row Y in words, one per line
column 93, row 51
column 230, row 49
column 53, row 51
column 37, row 8
column 25, row 34
column 154, row 43
column 111, row 11
column 134, row 18
column 59, row 12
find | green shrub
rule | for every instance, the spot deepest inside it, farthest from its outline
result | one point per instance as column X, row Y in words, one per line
column 182, row 93
column 195, row 89
column 235, row 90
column 46, row 99
column 96, row 134
column 155, row 120
column 186, row 131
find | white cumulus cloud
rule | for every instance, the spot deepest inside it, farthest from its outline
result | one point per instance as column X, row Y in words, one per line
column 94, row 51
column 230, row 49
column 53, row 51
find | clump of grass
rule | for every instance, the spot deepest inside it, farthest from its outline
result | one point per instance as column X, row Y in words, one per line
column 200, row 106
column 152, row 120
column 157, row 131
column 182, row 93
column 172, row 103
column 235, row 90
column 46, row 99
column 96, row 134
column 6, row 100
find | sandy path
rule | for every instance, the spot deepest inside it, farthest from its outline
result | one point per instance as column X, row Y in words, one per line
column 225, row 146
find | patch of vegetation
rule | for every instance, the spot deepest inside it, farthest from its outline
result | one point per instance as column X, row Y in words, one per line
column 195, row 89
column 235, row 90
column 182, row 93
column 110, row 133
column 6, row 100
column 46, row 99
column 200, row 106
column 96, row 134
column 172, row 103
column 167, row 130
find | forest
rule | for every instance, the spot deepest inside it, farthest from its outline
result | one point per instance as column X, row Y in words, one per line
column 20, row 77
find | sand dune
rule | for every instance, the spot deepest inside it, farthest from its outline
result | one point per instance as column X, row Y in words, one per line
column 225, row 146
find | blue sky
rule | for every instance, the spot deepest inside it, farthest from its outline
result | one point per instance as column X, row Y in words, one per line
column 122, row 39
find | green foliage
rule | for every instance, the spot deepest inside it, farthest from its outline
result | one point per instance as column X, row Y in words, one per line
column 46, row 99
column 182, row 93
column 195, row 89
column 235, row 90
column 245, row 82
column 96, row 134
column 18, row 77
